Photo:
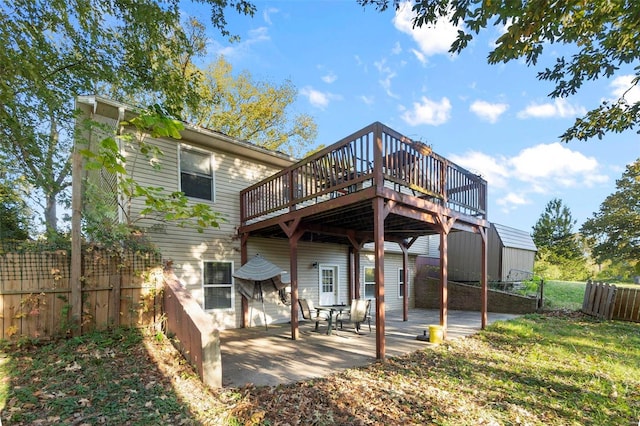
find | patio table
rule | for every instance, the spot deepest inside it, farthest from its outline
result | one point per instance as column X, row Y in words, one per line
column 334, row 310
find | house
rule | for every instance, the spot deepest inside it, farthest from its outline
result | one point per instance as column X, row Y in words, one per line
column 346, row 222
column 510, row 257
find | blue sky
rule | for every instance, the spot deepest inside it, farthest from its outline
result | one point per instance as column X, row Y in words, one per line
column 354, row 66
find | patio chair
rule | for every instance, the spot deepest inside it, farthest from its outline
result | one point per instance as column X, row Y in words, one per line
column 310, row 313
column 358, row 314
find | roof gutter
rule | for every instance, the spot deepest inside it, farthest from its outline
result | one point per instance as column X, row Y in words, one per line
column 194, row 134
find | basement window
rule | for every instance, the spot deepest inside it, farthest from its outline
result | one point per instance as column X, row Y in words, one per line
column 217, row 285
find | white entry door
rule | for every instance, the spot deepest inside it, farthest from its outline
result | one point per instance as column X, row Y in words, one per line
column 328, row 284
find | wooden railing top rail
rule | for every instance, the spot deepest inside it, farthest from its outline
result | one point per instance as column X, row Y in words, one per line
column 372, row 156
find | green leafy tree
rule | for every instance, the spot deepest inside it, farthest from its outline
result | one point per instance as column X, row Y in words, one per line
column 106, row 204
column 53, row 51
column 255, row 111
column 601, row 36
column 614, row 230
column 554, row 230
column 557, row 244
column 14, row 214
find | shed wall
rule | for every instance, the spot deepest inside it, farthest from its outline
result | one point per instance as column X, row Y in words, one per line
column 464, row 256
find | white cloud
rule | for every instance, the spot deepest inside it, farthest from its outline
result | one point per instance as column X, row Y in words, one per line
column 621, row 84
column 255, row 36
column 317, row 98
column 329, row 78
column 266, row 15
column 560, row 108
column 556, row 164
column 387, row 75
column 397, row 49
column 368, row 100
column 541, row 169
column 511, row 201
column 420, row 56
column 432, row 39
column 488, row 111
column 493, row 169
column 428, row 112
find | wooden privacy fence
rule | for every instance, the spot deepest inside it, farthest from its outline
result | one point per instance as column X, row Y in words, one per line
column 117, row 290
column 610, row 302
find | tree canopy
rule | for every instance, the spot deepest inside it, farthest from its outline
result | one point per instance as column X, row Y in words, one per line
column 14, row 214
column 603, row 36
column 560, row 255
column 255, row 111
column 554, row 230
column 614, row 230
column 54, row 51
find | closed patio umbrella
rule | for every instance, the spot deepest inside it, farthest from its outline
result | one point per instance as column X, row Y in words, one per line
column 257, row 275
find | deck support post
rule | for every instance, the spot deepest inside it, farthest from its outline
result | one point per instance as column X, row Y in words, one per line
column 378, row 237
column 483, row 278
column 244, row 258
column 293, row 265
column 354, row 282
column 294, row 233
column 405, row 279
column 445, row 227
column 444, row 259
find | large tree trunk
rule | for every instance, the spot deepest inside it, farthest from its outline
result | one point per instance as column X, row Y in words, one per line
column 50, row 215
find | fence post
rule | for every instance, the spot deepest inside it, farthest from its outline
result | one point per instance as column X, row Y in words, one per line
column 76, row 243
column 611, row 298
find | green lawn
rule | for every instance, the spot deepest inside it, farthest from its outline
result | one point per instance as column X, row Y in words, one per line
column 563, row 294
column 560, row 368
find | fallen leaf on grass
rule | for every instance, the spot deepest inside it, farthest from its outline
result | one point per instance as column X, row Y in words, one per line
column 74, row 367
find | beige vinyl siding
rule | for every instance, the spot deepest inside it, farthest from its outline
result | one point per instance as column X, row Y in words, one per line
column 392, row 262
column 420, row 247
column 185, row 247
column 277, row 252
column 433, row 245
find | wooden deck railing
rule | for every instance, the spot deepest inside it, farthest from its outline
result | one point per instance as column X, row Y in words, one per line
column 376, row 155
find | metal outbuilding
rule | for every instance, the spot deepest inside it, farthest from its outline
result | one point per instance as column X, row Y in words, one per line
column 510, row 257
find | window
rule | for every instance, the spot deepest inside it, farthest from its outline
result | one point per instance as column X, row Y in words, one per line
column 369, row 283
column 196, row 173
column 217, row 285
column 400, row 283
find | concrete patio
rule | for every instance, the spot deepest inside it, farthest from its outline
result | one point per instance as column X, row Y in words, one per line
column 270, row 357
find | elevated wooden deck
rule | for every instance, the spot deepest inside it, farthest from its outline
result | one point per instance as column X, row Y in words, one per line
column 373, row 186
column 330, row 192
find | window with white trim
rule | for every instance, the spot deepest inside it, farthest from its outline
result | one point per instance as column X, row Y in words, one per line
column 196, row 173
column 217, row 283
column 400, row 283
column 369, row 283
